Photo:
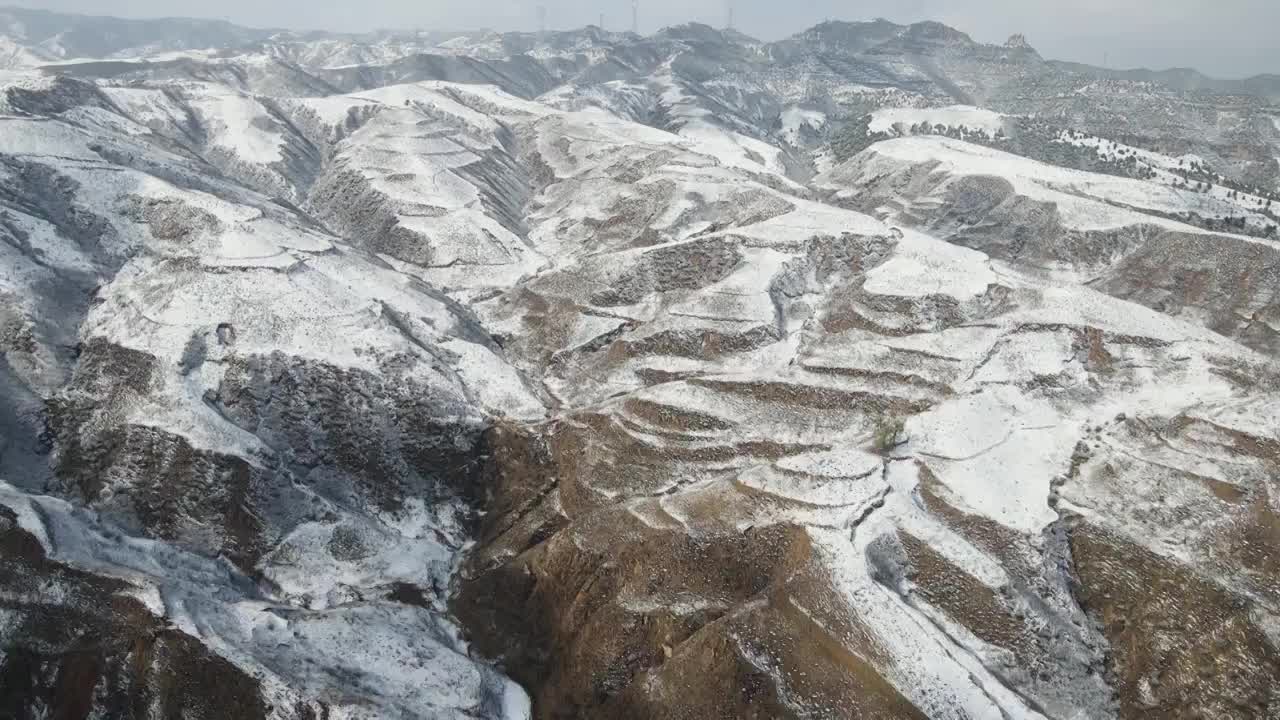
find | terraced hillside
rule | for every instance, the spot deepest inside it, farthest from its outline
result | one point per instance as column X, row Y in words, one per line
column 600, row 376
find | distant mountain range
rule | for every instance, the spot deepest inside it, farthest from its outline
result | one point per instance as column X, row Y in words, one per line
column 62, row 36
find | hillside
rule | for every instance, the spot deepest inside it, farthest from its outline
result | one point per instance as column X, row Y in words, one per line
column 873, row 373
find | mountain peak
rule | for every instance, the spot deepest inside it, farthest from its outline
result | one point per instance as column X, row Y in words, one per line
column 1018, row 41
column 935, row 31
column 847, row 37
column 692, row 31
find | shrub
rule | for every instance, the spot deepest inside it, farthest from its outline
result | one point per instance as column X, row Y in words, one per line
column 889, row 433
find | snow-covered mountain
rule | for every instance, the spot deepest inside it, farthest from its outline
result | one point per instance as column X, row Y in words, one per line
column 77, row 36
column 872, row 373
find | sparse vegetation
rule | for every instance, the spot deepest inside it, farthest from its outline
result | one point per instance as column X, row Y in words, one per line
column 1051, row 143
column 889, row 433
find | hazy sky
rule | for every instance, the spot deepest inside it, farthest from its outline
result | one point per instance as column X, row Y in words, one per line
column 1220, row 37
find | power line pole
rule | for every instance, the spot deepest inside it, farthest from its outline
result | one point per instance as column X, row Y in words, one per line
column 542, row 20
column 730, row 25
column 635, row 16
column 602, row 21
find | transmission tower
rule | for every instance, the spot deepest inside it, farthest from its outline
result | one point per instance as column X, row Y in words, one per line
column 542, row 20
column 635, row 16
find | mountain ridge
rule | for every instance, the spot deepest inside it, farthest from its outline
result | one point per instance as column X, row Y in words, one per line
column 232, row 29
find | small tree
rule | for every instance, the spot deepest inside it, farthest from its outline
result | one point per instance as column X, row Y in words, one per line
column 889, row 433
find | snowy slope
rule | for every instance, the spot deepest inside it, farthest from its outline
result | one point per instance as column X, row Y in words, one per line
column 1087, row 201
column 522, row 375
column 209, row 290
column 15, row 56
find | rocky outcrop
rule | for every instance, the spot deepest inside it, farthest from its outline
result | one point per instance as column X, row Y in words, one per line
column 79, row 643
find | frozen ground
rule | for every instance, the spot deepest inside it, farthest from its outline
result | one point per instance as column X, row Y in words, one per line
column 374, row 391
